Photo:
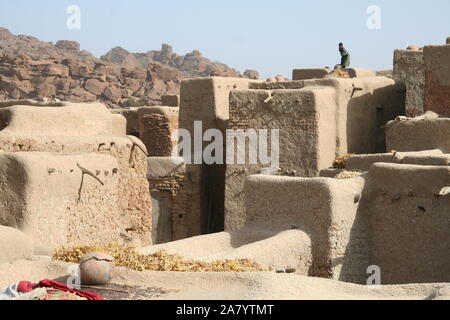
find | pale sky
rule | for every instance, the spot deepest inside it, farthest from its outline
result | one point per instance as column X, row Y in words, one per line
column 272, row 37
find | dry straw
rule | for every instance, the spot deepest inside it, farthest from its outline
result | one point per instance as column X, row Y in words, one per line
column 159, row 261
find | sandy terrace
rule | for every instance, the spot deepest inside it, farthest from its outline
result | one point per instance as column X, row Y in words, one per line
column 215, row 286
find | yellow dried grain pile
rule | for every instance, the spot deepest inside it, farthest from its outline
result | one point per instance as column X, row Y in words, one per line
column 159, row 261
column 339, row 162
column 347, row 174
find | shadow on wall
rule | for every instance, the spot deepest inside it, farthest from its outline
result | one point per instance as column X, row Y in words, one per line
column 16, row 179
column 214, row 179
column 357, row 253
column 364, row 126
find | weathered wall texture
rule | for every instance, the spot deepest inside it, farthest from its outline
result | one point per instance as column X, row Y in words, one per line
column 363, row 162
column 409, row 222
column 303, row 74
column 206, row 100
column 131, row 115
column 364, row 104
column 49, row 198
column 360, row 73
column 418, row 134
column 171, row 100
column 324, row 208
column 166, row 176
column 396, row 218
column 85, row 119
column 318, row 120
column 133, row 194
column 296, row 114
column 119, row 125
column 437, row 79
column 409, row 67
column 156, row 126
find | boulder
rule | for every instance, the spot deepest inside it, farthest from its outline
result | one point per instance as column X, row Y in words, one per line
column 57, row 70
column 95, row 86
column 68, row 45
column 113, row 94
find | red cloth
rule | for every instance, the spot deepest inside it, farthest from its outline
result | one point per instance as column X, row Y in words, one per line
column 26, row 286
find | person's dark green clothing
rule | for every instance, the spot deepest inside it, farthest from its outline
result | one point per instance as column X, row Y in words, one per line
column 345, row 60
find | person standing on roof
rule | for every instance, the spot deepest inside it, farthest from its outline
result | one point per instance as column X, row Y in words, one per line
column 345, row 56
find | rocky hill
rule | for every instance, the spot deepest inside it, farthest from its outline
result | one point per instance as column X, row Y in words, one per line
column 190, row 65
column 32, row 69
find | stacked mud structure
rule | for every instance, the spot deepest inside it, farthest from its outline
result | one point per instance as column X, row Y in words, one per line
column 363, row 177
column 156, row 126
column 385, row 204
column 69, row 175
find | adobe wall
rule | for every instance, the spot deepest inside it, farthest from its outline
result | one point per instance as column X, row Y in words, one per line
column 304, row 145
column 318, row 120
column 130, row 153
column 360, row 73
column 418, row 134
column 364, row 104
column 206, row 100
column 119, row 125
column 84, row 119
column 134, row 199
column 385, row 73
column 79, row 204
column 156, row 125
column 320, row 73
column 409, row 67
column 166, row 176
column 171, row 100
column 437, row 79
column 363, row 162
column 303, row 74
column 409, row 222
column 132, row 120
column 325, row 209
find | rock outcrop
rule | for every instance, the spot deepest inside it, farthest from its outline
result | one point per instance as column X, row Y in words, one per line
column 32, row 69
column 190, row 65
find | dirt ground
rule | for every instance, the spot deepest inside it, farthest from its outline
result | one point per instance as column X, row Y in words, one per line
column 138, row 285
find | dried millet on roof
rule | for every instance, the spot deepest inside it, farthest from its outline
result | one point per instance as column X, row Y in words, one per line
column 159, row 261
column 340, row 161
